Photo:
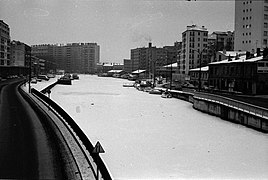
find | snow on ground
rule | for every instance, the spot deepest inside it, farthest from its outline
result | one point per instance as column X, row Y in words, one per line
column 149, row 137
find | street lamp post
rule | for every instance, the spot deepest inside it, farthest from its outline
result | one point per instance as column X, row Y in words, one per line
column 154, row 69
column 30, row 74
column 200, row 58
column 171, row 74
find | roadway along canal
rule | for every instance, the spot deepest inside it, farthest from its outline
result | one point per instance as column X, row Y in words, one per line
column 29, row 148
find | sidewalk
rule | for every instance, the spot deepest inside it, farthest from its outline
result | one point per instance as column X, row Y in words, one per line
column 260, row 100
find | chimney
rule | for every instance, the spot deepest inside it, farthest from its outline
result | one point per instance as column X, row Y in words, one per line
column 150, row 44
column 258, row 52
column 248, row 55
column 224, row 51
column 229, row 58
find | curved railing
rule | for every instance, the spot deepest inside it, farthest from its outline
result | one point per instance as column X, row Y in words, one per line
column 97, row 159
column 245, row 107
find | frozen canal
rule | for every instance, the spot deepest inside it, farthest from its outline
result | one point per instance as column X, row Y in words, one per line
column 149, row 137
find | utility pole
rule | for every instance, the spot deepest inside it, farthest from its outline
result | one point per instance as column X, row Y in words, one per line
column 30, row 73
column 200, row 58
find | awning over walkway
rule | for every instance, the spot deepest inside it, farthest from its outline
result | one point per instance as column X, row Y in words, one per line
column 174, row 65
column 205, row 68
column 115, row 71
column 138, row 71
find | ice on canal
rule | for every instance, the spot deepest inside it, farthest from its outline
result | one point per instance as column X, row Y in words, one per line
column 149, row 137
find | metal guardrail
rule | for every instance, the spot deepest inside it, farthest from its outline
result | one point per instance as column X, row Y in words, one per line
column 97, row 159
column 245, row 107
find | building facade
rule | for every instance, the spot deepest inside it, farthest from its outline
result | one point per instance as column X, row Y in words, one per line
column 223, row 40
column 38, row 66
column 5, row 44
column 195, row 79
column 244, row 74
column 72, row 57
column 219, row 41
column 152, row 58
column 127, row 65
column 251, row 25
column 20, row 54
column 194, row 48
column 46, row 52
column 222, row 55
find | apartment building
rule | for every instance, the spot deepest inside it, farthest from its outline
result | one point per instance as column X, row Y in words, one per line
column 149, row 59
column 45, row 51
column 20, row 54
column 5, row 44
column 127, row 65
column 194, row 48
column 251, row 25
column 71, row 57
column 244, row 74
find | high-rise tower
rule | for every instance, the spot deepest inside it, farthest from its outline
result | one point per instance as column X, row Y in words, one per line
column 251, row 25
column 5, row 44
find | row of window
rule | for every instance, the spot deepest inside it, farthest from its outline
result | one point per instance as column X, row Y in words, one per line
column 192, row 33
column 245, row 34
column 245, row 42
column 247, row 26
column 198, row 39
column 262, row 64
column 247, row 2
column 249, row 41
column 247, row 18
column 5, row 32
column 203, row 75
column 247, row 10
column 3, row 62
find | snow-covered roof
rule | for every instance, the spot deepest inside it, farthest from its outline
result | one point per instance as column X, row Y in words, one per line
column 241, row 59
column 107, row 65
column 233, row 53
column 195, row 27
column 205, row 68
column 138, row 71
column 115, row 71
column 174, row 65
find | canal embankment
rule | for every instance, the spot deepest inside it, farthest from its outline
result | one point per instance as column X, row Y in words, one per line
column 245, row 110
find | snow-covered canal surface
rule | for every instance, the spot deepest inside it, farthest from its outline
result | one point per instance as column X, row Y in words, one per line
column 149, row 137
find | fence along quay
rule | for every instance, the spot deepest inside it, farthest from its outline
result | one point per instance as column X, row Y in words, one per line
column 232, row 110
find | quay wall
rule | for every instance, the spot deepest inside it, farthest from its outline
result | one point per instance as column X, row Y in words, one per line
column 234, row 111
column 227, row 109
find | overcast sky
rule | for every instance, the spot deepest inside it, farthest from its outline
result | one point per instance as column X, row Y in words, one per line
column 116, row 25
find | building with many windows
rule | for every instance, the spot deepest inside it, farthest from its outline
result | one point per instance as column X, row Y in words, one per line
column 194, row 48
column 72, row 57
column 245, row 74
column 149, row 59
column 127, row 65
column 219, row 41
column 5, row 44
column 20, row 54
column 251, row 25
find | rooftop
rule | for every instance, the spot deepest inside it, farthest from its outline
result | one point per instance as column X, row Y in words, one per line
column 240, row 59
column 195, row 27
column 205, row 68
column 232, row 53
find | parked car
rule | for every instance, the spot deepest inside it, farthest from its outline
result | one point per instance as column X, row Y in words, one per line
column 44, row 77
column 75, row 76
column 34, row 81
